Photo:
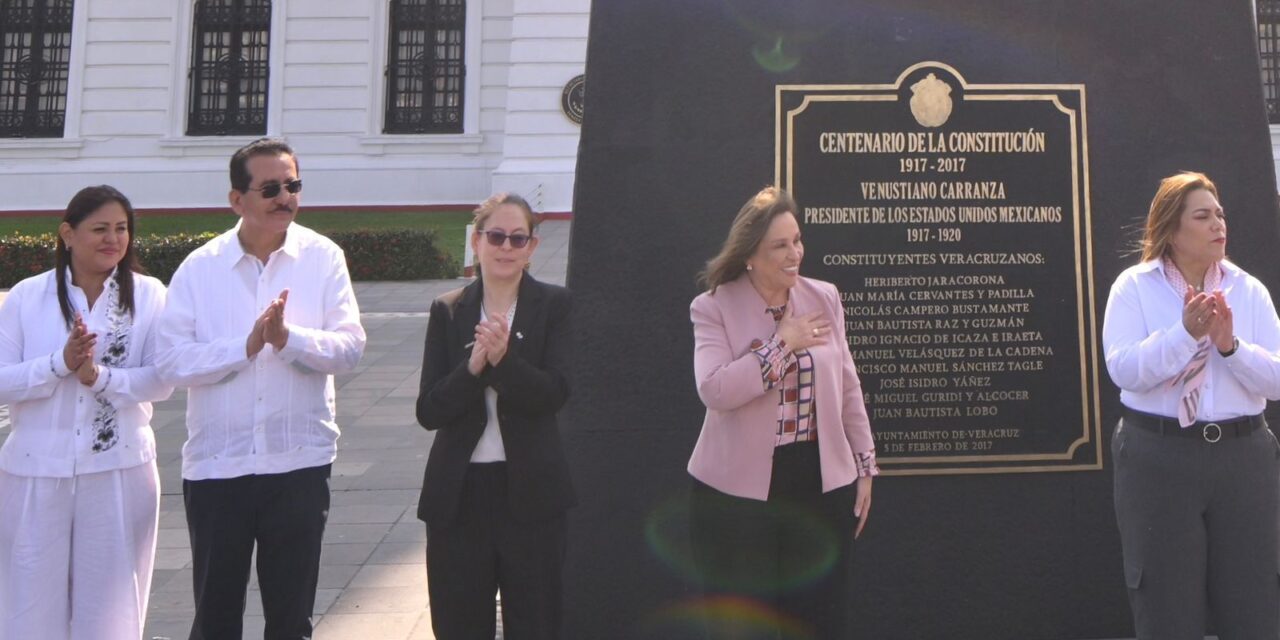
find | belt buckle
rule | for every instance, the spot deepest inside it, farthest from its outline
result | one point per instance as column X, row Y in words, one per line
column 1206, row 431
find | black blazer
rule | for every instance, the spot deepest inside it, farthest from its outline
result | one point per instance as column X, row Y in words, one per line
column 532, row 382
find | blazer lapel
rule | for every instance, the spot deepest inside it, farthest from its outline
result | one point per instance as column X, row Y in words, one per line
column 802, row 303
column 467, row 314
column 528, row 307
column 752, row 316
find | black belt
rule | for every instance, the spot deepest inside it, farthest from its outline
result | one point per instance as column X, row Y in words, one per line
column 1208, row 431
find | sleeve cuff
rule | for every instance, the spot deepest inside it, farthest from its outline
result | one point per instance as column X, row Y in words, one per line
column 774, row 359
column 867, row 464
column 105, row 376
column 235, row 354
column 1185, row 340
column 496, row 375
column 58, row 365
column 293, row 348
column 1236, row 361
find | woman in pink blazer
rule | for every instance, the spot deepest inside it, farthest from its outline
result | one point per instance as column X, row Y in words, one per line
column 783, row 466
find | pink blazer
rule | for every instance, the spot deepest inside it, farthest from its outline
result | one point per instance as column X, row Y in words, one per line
column 734, row 453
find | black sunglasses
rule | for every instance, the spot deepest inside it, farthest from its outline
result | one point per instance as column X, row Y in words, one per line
column 496, row 238
column 272, row 189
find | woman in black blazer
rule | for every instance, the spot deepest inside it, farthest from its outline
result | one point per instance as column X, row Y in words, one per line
column 494, row 373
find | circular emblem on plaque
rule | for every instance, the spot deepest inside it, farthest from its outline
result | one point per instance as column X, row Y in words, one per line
column 931, row 101
column 571, row 99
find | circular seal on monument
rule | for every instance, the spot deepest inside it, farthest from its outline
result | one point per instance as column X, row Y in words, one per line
column 931, row 101
column 571, row 99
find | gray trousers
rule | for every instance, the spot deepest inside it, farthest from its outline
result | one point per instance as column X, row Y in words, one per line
column 1198, row 527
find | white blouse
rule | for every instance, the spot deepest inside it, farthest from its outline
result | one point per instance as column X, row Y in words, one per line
column 61, row 428
column 490, row 447
column 1146, row 345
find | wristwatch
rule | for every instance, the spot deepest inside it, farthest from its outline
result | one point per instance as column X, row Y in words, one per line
column 1235, row 344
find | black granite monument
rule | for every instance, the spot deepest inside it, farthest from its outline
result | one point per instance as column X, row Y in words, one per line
column 971, row 176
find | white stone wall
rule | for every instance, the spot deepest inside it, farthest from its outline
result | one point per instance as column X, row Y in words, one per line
column 540, row 148
column 127, row 106
column 1275, row 149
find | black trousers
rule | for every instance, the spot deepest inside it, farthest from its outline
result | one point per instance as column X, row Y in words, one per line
column 284, row 514
column 485, row 551
column 790, row 557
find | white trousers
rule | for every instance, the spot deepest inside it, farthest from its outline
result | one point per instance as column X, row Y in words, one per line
column 76, row 554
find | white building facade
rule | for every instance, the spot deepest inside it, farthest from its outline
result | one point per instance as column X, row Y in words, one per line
column 153, row 106
column 131, row 87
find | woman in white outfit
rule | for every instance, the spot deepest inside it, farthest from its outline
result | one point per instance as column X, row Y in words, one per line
column 79, row 492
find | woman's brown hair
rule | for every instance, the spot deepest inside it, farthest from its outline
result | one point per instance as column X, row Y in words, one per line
column 1166, row 211
column 491, row 204
column 745, row 234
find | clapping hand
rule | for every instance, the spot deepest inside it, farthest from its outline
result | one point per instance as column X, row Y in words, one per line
column 79, row 346
column 492, row 336
column 87, row 372
column 274, row 332
column 478, row 360
column 1199, row 312
column 1222, row 331
column 269, row 328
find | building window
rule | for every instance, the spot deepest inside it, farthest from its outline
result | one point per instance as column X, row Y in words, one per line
column 425, row 68
column 35, row 54
column 229, row 68
column 1269, row 48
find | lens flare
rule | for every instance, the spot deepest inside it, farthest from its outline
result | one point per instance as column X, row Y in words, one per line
column 775, row 59
column 811, row 545
column 666, row 530
column 779, row 31
column 724, row 617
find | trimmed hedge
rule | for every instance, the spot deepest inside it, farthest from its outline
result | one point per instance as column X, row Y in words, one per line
column 399, row 254
column 161, row 255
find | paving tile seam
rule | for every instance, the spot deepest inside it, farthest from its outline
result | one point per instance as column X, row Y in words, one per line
column 378, row 315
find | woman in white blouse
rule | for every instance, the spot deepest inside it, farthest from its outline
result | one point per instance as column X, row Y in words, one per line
column 1193, row 342
column 79, row 492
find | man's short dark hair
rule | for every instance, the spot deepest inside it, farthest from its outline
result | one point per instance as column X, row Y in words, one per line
column 240, row 177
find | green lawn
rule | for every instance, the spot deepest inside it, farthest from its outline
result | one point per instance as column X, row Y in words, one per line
column 451, row 225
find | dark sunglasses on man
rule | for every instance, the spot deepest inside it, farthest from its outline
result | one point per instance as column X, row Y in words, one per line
column 272, row 189
column 496, row 238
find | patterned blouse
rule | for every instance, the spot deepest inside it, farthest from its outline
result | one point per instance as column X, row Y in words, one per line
column 792, row 374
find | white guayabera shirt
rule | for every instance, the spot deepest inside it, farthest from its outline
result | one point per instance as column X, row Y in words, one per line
column 275, row 412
